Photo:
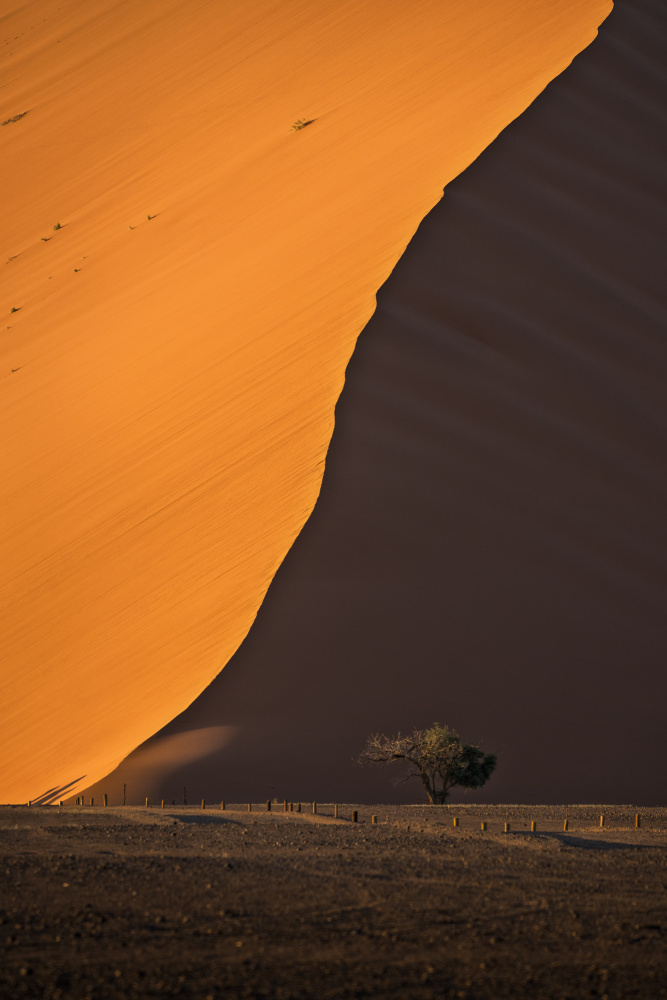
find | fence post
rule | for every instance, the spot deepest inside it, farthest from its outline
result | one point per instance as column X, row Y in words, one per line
column 268, row 805
column 336, row 811
column 354, row 816
column 203, row 803
column 250, row 807
column 298, row 807
column 162, row 804
column 314, row 808
column 105, row 799
column 222, row 805
column 147, row 802
column 507, row 828
column 456, row 821
column 374, row 819
column 601, row 820
column 533, row 826
column 565, row 824
column 638, row 821
column 483, row 825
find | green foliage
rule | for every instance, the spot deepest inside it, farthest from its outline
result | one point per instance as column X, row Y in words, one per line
column 437, row 756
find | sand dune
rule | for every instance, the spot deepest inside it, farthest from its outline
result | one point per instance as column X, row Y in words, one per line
column 173, row 352
column 489, row 546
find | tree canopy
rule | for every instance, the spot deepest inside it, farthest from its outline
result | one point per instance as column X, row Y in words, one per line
column 437, row 756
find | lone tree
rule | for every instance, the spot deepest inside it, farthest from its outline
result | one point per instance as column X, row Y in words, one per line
column 437, row 756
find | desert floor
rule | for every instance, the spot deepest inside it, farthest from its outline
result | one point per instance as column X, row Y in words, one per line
column 182, row 902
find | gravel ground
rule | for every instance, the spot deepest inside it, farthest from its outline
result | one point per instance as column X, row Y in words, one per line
column 180, row 902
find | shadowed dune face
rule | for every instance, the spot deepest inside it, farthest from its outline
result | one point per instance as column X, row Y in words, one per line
column 489, row 546
column 184, row 280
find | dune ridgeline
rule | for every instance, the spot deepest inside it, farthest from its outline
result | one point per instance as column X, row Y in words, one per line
column 183, row 282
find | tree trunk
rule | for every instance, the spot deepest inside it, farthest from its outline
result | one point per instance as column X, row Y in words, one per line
column 429, row 786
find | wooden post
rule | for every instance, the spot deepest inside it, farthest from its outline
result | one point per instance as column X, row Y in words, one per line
column 374, row 819
column 222, row 805
column 456, row 821
column 298, row 807
column 354, row 816
column 162, row 804
column 483, row 825
column 533, row 826
column 638, row 821
column 565, row 824
column 250, row 807
column 105, row 799
column 601, row 820
column 336, row 811
column 314, row 808
column 92, row 801
column 291, row 807
column 61, row 803
column 147, row 802
column 268, row 805
column 124, row 791
column 284, row 805
column 203, row 803
column 507, row 828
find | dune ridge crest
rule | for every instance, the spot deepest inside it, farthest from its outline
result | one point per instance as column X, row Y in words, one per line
column 184, row 281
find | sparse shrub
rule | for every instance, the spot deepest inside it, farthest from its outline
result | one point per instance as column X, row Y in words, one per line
column 149, row 217
column 14, row 309
column 301, row 123
column 57, row 226
column 14, row 118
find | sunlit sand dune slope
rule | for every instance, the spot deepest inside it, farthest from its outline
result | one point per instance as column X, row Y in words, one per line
column 490, row 544
column 173, row 352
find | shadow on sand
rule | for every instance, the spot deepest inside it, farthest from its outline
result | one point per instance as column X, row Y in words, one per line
column 202, row 819
column 590, row 844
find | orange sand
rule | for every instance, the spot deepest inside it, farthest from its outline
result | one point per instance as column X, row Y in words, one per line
column 168, row 386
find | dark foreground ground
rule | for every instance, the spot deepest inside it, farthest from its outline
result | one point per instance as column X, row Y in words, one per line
column 125, row 902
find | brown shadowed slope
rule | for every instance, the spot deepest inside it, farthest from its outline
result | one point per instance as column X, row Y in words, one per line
column 171, row 355
column 489, row 546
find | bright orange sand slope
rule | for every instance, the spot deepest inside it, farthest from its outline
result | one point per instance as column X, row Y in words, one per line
column 168, row 386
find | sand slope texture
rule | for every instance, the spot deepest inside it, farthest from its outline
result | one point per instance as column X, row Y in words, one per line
column 183, row 282
column 489, row 547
